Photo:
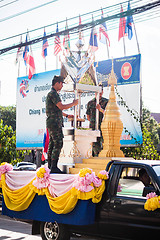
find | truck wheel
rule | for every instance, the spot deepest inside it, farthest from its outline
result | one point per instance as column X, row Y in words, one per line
column 55, row 231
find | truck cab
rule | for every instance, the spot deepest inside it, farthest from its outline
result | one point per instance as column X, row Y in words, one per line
column 121, row 211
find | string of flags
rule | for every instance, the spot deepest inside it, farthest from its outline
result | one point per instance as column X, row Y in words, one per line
column 125, row 29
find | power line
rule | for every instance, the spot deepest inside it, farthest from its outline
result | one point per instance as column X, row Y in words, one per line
column 88, row 25
column 28, row 10
column 8, row 3
column 68, row 19
column 107, row 10
column 110, row 27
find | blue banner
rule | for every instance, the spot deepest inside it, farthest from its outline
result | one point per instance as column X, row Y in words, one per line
column 127, row 70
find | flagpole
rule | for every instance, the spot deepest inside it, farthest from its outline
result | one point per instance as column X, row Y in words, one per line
column 136, row 38
column 107, row 48
column 18, row 68
column 106, row 39
column 45, row 64
column 124, row 47
column 26, row 69
column 28, row 38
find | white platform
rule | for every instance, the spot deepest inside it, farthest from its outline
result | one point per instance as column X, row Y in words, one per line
column 77, row 144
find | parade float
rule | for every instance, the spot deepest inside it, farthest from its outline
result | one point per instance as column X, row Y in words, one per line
column 48, row 197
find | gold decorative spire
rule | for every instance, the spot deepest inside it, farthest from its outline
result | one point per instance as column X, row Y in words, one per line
column 112, row 125
column 112, row 78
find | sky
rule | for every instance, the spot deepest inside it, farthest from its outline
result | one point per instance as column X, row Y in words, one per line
column 148, row 33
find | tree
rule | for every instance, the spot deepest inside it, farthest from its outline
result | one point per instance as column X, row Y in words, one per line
column 8, row 152
column 148, row 149
column 7, row 141
column 151, row 125
column 8, row 115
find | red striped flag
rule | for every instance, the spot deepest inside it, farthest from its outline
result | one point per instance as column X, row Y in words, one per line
column 57, row 42
column 45, row 145
column 44, row 46
column 103, row 35
column 122, row 25
column 30, row 62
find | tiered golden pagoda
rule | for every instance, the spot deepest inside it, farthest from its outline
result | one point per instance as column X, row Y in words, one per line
column 112, row 125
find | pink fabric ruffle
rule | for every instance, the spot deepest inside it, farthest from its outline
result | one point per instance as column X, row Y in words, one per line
column 42, row 182
column 6, row 167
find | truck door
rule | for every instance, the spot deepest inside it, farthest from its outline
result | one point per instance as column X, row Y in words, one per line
column 125, row 206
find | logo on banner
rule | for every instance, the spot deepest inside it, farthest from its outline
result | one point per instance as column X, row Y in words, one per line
column 126, row 71
column 24, row 88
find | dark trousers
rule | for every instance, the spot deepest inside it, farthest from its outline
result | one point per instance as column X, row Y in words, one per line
column 54, row 148
column 97, row 147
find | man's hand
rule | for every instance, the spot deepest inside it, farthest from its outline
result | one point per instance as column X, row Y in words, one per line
column 100, row 109
column 62, row 106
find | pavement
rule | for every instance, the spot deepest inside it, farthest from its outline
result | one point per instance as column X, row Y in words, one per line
column 11, row 229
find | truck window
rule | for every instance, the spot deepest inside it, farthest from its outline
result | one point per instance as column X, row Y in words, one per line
column 130, row 183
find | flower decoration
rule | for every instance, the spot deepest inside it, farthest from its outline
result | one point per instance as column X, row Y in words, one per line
column 84, row 171
column 87, row 179
column 84, row 180
column 103, row 175
column 97, row 182
column 5, row 167
column 42, row 177
column 41, row 172
column 153, row 202
column 151, row 195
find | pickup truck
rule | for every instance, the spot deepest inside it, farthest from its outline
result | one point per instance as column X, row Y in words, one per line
column 121, row 213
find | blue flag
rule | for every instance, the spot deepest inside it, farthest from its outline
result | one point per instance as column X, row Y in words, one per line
column 93, row 43
column 129, row 21
column 26, row 50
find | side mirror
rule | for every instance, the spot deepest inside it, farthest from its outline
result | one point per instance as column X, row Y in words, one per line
column 147, row 190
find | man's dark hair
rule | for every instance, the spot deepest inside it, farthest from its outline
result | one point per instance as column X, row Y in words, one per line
column 57, row 79
column 141, row 172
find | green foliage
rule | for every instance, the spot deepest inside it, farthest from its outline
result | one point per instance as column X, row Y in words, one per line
column 152, row 126
column 145, row 151
column 8, row 115
column 148, row 149
column 8, row 152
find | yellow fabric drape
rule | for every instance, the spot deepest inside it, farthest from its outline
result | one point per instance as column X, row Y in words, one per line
column 63, row 204
column 20, row 199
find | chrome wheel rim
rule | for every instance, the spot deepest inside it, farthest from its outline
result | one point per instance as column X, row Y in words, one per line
column 51, row 230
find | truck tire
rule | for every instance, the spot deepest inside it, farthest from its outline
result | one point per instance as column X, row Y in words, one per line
column 54, row 230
